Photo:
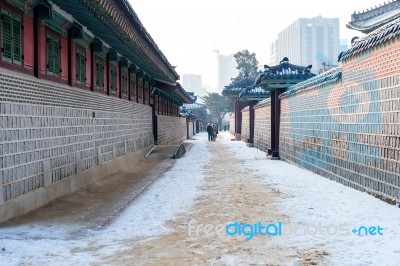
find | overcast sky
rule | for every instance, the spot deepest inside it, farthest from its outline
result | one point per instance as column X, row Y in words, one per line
column 188, row 31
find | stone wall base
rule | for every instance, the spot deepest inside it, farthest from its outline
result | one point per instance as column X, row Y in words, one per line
column 38, row 198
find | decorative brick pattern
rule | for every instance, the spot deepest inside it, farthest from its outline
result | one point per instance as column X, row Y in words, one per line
column 49, row 132
column 262, row 125
column 171, row 130
column 245, row 124
column 349, row 131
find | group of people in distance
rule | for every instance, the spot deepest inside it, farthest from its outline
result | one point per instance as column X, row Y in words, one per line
column 212, row 130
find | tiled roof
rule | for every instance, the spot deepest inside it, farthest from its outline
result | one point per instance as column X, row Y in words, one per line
column 236, row 88
column 327, row 77
column 285, row 70
column 245, row 88
column 371, row 19
column 254, row 91
column 187, row 97
column 192, row 96
column 194, row 106
column 376, row 37
column 234, row 91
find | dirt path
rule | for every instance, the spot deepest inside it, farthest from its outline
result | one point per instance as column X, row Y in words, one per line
column 230, row 194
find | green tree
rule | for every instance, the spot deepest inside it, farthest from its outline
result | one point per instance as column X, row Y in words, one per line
column 217, row 103
column 247, row 65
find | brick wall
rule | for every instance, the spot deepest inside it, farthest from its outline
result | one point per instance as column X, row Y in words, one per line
column 349, row 131
column 49, row 132
column 245, row 124
column 171, row 130
column 262, row 125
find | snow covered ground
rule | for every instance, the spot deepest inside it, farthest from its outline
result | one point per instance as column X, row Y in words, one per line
column 174, row 192
column 324, row 212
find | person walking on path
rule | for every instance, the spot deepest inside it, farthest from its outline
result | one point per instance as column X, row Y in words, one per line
column 210, row 132
column 215, row 132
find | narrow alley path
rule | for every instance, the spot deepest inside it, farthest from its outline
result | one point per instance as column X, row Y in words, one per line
column 229, row 193
column 165, row 212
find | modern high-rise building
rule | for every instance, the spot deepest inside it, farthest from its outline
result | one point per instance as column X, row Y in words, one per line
column 308, row 41
column 343, row 45
column 226, row 71
column 273, row 57
column 193, row 83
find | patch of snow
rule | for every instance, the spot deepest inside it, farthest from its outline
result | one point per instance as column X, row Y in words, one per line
column 163, row 200
column 313, row 202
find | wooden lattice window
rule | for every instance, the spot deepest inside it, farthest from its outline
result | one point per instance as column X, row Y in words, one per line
column 11, row 33
column 113, row 79
column 80, row 66
column 132, row 86
column 53, row 54
column 124, row 81
column 99, row 74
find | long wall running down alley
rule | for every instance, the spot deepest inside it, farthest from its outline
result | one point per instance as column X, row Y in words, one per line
column 346, row 126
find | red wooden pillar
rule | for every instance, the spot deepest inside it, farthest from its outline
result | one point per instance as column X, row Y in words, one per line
column 275, row 122
column 42, row 11
column 169, row 108
column 251, row 112
column 29, row 40
column 88, row 72
column 238, row 120
column 92, row 69
column 105, row 75
column 39, row 43
column 95, row 47
column 118, row 78
column 111, row 57
column 70, row 59
column 156, row 104
column 150, row 95
column 159, row 105
column 136, row 88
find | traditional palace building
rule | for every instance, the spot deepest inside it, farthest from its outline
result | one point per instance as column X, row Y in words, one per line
column 81, row 83
column 99, row 46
